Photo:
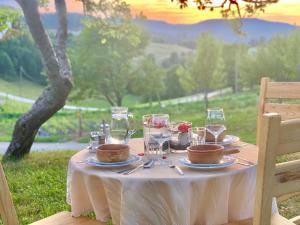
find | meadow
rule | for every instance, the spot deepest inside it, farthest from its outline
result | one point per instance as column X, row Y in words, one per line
column 240, row 111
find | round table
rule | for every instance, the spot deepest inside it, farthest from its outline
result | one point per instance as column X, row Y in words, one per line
column 160, row 196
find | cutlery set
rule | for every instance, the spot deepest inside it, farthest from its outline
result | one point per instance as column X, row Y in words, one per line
column 147, row 165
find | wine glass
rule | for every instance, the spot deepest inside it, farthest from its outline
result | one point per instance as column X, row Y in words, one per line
column 215, row 122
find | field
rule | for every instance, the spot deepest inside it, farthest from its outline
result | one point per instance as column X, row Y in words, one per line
column 163, row 51
column 240, row 113
column 25, row 89
column 41, row 177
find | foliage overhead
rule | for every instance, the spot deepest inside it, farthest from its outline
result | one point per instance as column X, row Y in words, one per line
column 9, row 21
column 230, row 7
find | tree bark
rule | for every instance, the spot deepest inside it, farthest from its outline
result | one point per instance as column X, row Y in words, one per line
column 59, row 74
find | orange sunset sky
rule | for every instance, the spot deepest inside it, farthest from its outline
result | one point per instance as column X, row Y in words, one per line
column 284, row 11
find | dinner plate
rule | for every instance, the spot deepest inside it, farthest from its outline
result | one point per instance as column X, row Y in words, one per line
column 225, row 162
column 92, row 161
column 228, row 140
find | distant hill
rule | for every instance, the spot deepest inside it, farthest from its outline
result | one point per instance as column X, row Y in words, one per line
column 9, row 3
column 255, row 29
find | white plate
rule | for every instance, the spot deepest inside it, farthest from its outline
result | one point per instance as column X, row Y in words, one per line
column 92, row 161
column 225, row 162
column 228, row 140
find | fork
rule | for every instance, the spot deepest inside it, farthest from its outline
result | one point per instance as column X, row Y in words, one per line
column 145, row 165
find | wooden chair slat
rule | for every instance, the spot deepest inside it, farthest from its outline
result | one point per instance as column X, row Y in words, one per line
column 65, row 218
column 283, row 90
column 275, row 220
column 288, row 187
column 287, row 111
column 289, row 140
column 7, row 209
column 287, row 196
column 287, row 166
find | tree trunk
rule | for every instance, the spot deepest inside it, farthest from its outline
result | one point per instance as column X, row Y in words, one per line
column 119, row 100
column 59, row 74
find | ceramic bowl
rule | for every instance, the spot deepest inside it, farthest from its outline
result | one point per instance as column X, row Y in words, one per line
column 205, row 154
column 112, row 153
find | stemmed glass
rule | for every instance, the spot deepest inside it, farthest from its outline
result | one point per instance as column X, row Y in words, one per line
column 215, row 122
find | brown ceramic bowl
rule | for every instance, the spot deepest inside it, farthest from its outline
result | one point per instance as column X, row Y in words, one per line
column 112, row 153
column 205, row 154
column 211, row 138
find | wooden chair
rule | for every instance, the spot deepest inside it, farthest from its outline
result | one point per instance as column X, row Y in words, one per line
column 277, row 138
column 9, row 216
column 270, row 90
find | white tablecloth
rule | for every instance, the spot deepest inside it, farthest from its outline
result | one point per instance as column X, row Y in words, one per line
column 160, row 196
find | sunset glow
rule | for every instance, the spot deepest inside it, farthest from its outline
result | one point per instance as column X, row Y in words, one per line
column 284, row 11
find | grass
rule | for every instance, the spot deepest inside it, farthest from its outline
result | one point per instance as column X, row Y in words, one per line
column 38, row 184
column 128, row 100
column 25, row 89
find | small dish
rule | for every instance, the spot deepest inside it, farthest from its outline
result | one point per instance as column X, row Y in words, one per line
column 92, row 161
column 225, row 162
column 205, row 154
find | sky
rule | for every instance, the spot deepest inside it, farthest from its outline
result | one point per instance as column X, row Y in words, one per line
column 284, row 11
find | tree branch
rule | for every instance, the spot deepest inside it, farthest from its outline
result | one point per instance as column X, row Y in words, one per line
column 61, row 38
column 41, row 38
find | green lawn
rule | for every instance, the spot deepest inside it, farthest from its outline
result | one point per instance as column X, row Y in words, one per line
column 25, row 89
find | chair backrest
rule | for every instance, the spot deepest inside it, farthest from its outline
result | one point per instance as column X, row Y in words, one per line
column 270, row 90
column 273, row 180
column 7, row 209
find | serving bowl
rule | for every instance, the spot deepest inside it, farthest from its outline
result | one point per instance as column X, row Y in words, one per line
column 112, row 153
column 205, row 154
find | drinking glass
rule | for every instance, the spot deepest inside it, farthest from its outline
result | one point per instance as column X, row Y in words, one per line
column 156, row 133
column 215, row 122
column 198, row 135
column 94, row 140
column 119, row 125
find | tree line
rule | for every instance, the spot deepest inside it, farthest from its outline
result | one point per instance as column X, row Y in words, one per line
column 19, row 55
